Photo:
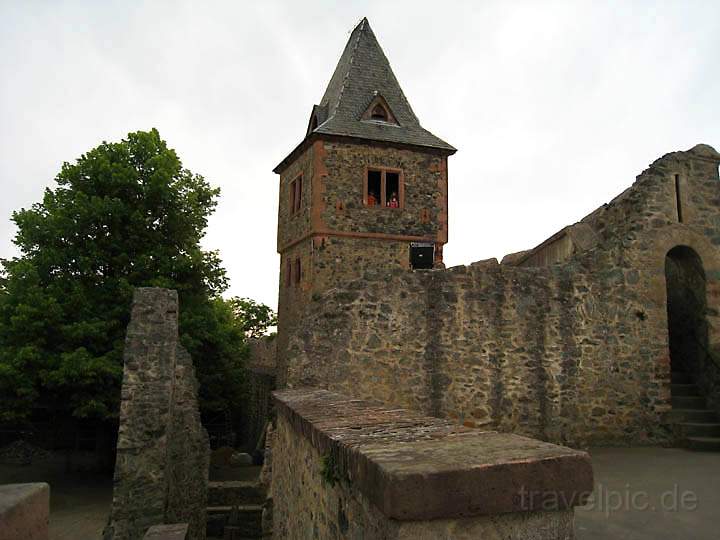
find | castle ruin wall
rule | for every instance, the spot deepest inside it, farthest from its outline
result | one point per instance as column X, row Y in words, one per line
column 575, row 352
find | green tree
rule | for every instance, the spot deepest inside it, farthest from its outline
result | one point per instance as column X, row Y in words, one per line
column 126, row 214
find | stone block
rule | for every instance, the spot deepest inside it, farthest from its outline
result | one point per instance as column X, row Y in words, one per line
column 397, row 474
column 24, row 511
column 175, row 531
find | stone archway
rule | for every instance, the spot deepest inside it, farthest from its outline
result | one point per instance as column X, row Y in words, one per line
column 686, row 309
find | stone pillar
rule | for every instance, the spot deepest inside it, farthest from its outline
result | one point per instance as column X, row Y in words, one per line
column 161, row 471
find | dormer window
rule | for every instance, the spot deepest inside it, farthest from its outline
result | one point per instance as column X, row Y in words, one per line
column 379, row 113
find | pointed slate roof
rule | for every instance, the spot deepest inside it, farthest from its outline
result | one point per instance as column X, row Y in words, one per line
column 362, row 73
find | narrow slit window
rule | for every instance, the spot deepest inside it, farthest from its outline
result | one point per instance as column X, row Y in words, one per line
column 293, row 193
column 288, row 273
column 298, row 271
column 374, row 188
column 678, row 202
column 296, row 195
column 392, row 189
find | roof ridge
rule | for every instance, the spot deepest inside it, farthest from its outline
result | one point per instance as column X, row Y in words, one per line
column 350, row 63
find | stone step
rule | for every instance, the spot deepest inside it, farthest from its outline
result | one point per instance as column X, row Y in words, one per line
column 680, row 377
column 688, row 402
column 706, row 444
column 235, row 492
column 699, row 429
column 684, row 390
column 250, row 518
column 693, row 416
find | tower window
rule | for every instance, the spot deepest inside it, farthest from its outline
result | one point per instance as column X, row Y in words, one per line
column 374, row 188
column 678, row 200
column 379, row 113
column 288, row 273
column 384, row 188
column 392, row 189
column 295, row 188
column 421, row 255
column 298, row 271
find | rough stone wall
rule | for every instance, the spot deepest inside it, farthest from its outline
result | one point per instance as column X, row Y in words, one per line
column 257, row 404
column 261, row 381
column 350, row 469
column 161, row 471
column 294, row 225
column 263, row 353
column 299, row 492
column 326, row 234
column 574, row 352
column 425, row 190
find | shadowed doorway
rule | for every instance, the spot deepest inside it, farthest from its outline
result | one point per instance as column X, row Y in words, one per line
column 686, row 307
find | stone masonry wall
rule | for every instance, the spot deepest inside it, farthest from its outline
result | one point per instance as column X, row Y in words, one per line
column 261, row 381
column 425, row 189
column 345, row 468
column 161, row 471
column 574, row 352
column 326, row 234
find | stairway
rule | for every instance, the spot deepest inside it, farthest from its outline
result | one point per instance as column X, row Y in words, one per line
column 240, row 524
column 697, row 427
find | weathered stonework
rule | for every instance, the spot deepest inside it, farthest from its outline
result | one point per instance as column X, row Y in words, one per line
column 261, row 371
column 24, row 511
column 345, row 468
column 572, row 351
column 161, row 472
column 335, row 237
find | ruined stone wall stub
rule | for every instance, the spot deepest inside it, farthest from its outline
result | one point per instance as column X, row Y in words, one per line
column 574, row 352
column 163, row 450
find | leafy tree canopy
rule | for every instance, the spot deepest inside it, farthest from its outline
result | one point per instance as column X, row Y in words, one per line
column 125, row 215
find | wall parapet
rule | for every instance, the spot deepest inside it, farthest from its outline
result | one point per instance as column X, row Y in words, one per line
column 417, row 468
column 24, row 511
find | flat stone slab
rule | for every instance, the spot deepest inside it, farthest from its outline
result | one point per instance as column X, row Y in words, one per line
column 24, row 511
column 174, row 531
column 414, row 467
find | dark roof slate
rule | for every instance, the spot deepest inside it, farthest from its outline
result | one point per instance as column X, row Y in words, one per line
column 363, row 72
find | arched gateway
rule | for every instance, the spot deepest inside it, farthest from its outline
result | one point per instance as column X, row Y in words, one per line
column 686, row 308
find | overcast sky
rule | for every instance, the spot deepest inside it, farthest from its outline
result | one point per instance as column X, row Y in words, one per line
column 554, row 107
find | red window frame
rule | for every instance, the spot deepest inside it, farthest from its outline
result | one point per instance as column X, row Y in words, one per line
column 295, row 194
column 382, row 203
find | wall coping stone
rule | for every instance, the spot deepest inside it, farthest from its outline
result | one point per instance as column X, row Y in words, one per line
column 24, row 511
column 414, row 467
column 174, row 531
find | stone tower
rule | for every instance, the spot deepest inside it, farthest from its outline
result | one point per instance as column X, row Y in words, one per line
column 366, row 189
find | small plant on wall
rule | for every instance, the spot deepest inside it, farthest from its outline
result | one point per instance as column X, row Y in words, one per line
column 329, row 470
